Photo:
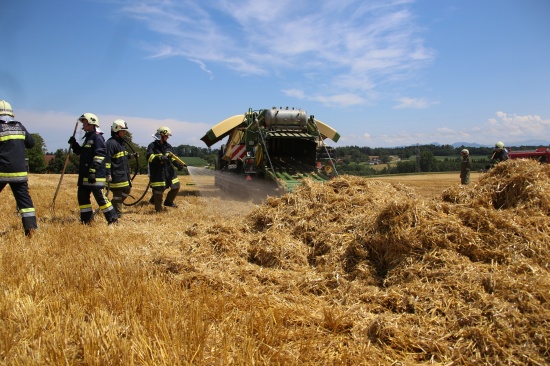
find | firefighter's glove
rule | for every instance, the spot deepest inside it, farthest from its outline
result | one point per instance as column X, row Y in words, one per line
column 72, row 141
column 91, row 178
column 180, row 167
column 163, row 158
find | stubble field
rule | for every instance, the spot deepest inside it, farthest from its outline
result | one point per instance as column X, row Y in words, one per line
column 396, row 270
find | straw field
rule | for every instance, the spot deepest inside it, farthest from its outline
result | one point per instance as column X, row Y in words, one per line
column 356, row 271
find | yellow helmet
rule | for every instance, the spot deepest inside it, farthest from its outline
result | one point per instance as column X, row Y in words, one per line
column 91, row 118
column 164, row 131
column 499, row 145
column 119, row 125
column 5, row 108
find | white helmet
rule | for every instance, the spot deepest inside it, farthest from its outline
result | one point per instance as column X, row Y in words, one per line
column 499, row 145
column 5, row 108
column 91, row 118
column 164, row 131
column 119, row 125
column 465, row 152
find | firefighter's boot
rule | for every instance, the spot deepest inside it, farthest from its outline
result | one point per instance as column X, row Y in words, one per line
column 157, row 200
column 170, row 197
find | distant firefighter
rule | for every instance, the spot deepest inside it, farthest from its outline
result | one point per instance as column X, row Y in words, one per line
column 465, row 167
column 500, row 153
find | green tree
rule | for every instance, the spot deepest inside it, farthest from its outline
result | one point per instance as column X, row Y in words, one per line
column 56, row 164
column 427, row 161
column 37, row 161
column 385, row 158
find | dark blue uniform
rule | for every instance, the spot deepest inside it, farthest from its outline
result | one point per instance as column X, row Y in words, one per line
column 14, row 139
column 118, row 168
column 162, row 174
column 91, row 177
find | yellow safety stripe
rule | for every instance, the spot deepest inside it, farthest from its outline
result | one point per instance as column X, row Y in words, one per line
column 119, row 185
column 120, row 154
column 152, row 156
column 16, row 174
column 12, row 137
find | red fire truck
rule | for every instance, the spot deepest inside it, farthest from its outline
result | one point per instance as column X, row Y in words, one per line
column 542, row 154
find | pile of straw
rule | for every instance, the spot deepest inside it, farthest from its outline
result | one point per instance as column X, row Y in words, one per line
column 465, row 278
column 382, row 275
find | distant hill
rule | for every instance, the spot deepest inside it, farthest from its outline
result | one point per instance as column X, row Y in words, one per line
column 522, row 143
column 468, row 144
column 530, row 143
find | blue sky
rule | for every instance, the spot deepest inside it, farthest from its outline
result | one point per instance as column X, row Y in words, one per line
column 381, row 72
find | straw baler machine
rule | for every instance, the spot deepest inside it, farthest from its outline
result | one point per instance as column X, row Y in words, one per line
column 281, row 145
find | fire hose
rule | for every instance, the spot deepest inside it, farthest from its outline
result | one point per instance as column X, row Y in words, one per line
column 136, row 171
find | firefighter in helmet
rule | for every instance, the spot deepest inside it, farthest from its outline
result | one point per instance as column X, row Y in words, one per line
column 162, row 174
column 500, row 153
column 117, row 165
column 91, row 171
column 465, row 167
column 14, row 139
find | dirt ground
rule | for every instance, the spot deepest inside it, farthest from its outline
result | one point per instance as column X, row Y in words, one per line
column 427, row 186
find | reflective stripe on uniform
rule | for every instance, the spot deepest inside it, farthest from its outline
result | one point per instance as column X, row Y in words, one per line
column 27, row 212
column 119, row 185
column 86, row 208
column 13, row 175
column 152, row 156
column 107, row 207
column 9, row 135
column 119, row 154
column 99, row 159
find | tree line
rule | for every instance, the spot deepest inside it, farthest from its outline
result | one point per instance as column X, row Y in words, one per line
column 353, row 160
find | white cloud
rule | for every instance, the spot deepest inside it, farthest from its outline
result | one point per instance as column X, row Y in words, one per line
column 351, row 46
column 415, row 103
column 517, row 128
column 348, row 99
column 510, row 128
column 296, row 93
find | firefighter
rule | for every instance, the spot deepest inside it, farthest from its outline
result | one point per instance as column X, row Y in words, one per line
column 117, row 165
column 14, row 139
column 91, row 171
column 465, row 167
column 162, row 174
column 500, row 153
